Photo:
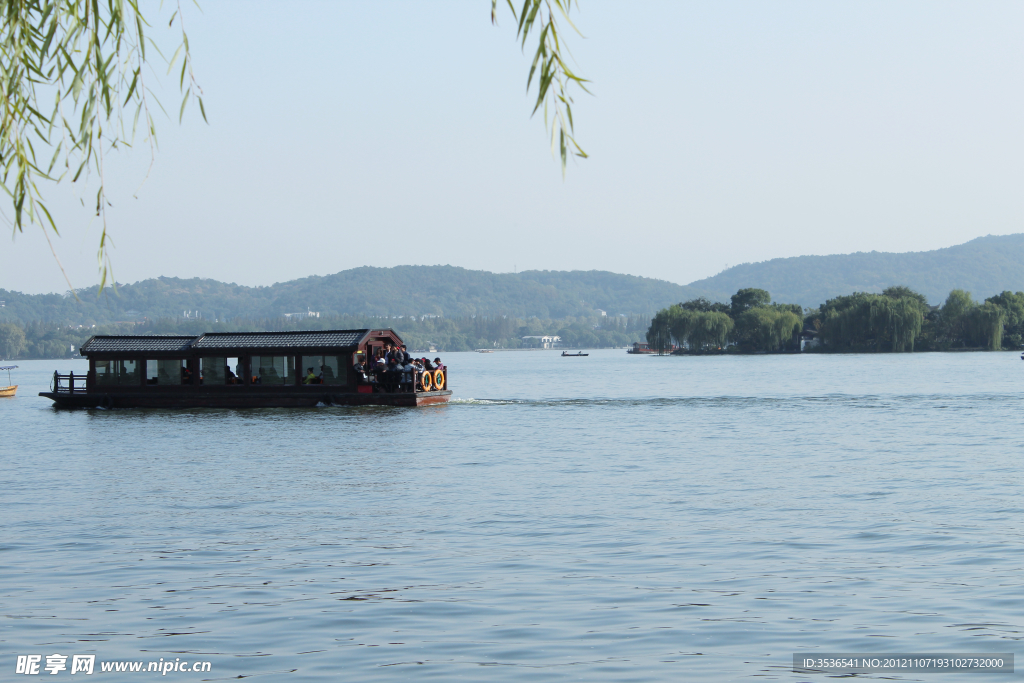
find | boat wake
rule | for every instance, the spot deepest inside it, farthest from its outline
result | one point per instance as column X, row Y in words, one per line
column 864, row 401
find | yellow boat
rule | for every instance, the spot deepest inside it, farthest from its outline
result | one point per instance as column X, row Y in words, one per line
column 8, row 392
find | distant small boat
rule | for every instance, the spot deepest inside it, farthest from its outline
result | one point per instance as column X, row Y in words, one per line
column 485, row 350
column 578, row 354
column 8, row 391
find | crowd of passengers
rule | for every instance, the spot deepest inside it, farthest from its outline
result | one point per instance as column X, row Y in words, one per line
column 392, row 367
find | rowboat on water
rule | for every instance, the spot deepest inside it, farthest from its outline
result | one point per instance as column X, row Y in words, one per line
column 8, row 391
column 245, row 370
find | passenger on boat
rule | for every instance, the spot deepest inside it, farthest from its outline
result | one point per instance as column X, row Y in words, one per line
column 360, row 369
column 326, row 374
column 409, row 374
column 379, row 370
column 427, row 365
column 229, row 377
column 186, row 376
column 438, row 365
column 310, row 377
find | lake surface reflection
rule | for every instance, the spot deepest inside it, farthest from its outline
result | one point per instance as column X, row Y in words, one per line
column 603, row 518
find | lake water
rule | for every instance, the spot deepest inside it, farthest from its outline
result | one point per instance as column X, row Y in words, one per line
column 616, row 517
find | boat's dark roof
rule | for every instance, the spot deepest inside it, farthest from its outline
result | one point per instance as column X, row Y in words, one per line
column 278, row 340
column 134, row 345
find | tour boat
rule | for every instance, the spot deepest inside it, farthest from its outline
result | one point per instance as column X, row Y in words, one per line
column 243, row 370
column 578, row 354
column 8, row 391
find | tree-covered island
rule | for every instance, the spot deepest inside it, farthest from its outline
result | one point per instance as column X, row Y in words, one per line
column 897, row 320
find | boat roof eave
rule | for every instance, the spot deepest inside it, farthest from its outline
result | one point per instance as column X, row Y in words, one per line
column 231, row 344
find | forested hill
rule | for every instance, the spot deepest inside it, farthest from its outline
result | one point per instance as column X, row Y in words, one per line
column 984, row 266
column 403, row 290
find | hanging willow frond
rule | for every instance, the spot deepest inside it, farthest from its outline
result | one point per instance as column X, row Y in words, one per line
column 550, row 68
column 72, row 72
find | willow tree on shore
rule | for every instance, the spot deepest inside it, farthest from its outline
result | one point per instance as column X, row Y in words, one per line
column 1012, row 304
column 988, row 320
column 897, row 320
column 709, row 331
column 955, row 318
column 680, row 322
column 659, row 334
column 698, row 330
column 892, row 319
column 768, row 329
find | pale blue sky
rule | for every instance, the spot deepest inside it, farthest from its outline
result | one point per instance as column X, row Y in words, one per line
column 345, row 134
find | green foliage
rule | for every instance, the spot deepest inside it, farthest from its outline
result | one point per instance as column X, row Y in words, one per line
column 896, row 320
column 988, row 320
column 904, row 292
column 704, row 305
column 659, row 334
column 861, row 320
column 699, row 330
column 72, row 72
column 702, row 325
column 710, row 331
column 767, row 328
column 956, row 318
column 550, row 68
column 12, row 340
column 1013, row 327
column 746, row 299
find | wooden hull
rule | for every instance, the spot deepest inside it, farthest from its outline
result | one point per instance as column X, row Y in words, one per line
column 239, row 398
column 8, row 392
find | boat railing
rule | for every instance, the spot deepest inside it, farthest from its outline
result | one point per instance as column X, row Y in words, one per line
column 400, row 382
column 68, row 384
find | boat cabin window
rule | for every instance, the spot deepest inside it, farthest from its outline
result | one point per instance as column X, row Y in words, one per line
column 324, row 370
column 275, row 370
column 164, row 372
column 221, row 370
column 109, row 372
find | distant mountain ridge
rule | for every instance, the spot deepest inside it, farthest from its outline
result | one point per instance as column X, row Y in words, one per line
column 402, row 290
column 984, row 266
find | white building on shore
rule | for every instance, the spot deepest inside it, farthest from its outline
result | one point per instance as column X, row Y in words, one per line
column 547, row 341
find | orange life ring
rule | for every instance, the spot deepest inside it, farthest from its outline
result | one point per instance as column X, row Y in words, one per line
column 439, row 379
column 425, row 381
